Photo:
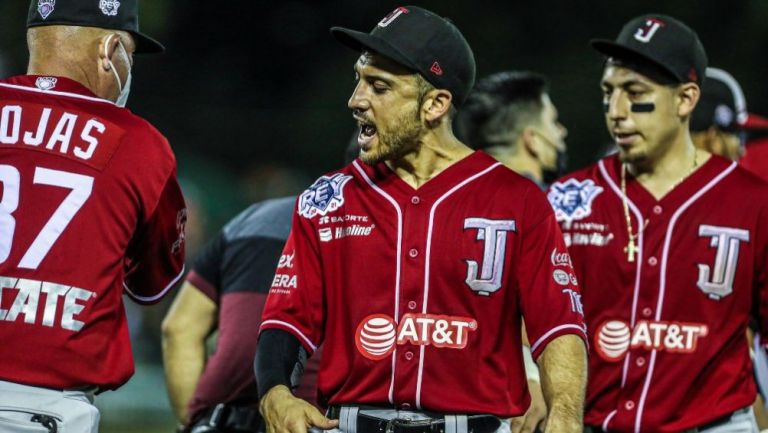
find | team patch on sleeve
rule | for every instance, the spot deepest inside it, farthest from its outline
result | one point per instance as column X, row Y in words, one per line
column 324, row 196
column 572, row 199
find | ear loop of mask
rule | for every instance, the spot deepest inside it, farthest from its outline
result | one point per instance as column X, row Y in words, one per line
column 112, row 65
column 640, row 107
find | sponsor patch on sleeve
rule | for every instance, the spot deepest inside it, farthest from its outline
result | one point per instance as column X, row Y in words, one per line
column 572, row 199
column 324, row 196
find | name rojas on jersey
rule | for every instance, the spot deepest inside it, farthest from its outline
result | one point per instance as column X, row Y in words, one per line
column 51, row 133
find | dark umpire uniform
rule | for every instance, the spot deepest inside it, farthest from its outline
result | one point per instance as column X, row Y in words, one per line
column 236, row 270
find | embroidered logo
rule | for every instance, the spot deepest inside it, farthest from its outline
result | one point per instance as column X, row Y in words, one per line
column 45, row 7
column 46, row 83
column 387, row 20
column 572, row 200
column 645, row 33
column 109, row 7
column 324, row 196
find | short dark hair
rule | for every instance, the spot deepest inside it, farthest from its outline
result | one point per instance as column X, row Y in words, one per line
column 646, row 67
column 499, row 107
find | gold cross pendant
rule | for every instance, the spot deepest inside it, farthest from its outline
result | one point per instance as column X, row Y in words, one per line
column 631, row 250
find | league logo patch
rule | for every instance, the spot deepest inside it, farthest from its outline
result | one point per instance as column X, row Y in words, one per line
column 572, row 200
column 109, row 7
column 45, row 83
column 324, row 196
column 45, row 7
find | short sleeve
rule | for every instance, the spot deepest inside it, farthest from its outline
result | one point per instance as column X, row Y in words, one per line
column 295, row 301
column 550, row 297
column 155, row 257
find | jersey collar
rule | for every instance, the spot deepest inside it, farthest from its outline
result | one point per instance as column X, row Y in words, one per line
column 54, row 85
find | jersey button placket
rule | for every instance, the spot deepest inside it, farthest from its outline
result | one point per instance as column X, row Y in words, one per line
column 629, row 405
column 415, row 200
column 413, row 253
column 408, row 355
column 412, row 305
column 653, row 261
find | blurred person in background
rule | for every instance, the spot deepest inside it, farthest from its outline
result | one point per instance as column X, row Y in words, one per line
column 225, row 290
column 90, row 209
column 510, row 116
column 717, row 123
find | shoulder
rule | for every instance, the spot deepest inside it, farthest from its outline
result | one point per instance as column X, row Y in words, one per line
column 327, row 193
column 267, row 218
column 573, row 195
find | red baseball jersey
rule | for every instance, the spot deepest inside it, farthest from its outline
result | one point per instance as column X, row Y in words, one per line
column 90, row 208
column 418, row 294
column 668, row 349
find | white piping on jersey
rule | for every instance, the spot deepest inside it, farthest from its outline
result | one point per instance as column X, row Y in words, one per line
column 663, row 280
column 157, row 296
column 639, row 266
column 397, row 271
column 544, row 337
column 56, row 93
column 608, row 419
column 426, row 265
column 292, row 328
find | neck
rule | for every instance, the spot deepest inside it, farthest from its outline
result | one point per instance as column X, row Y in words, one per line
column 436, row 152
column 518, row 160
column 663, row 173
column 41, row 65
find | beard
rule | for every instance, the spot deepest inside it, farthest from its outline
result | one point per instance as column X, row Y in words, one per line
column 396, row 142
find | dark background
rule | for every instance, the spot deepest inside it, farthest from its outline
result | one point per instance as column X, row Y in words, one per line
column 255, row 92
column 252, row 96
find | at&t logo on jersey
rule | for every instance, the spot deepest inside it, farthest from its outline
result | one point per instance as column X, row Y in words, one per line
column 614, row 337
column 572, row 200
column 324, row 196
column 378, row 334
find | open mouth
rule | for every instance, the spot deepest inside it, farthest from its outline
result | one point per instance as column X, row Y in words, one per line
column 367, row 134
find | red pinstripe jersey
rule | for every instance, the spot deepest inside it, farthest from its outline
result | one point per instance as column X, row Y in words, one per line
column 418, row 294
column 668, row 348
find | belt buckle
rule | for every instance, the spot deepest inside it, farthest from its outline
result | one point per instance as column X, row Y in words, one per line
column 217, row 415
column 391, row 426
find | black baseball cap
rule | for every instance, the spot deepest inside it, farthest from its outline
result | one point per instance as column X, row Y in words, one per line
column 105, row 14
column 423, row 42
column 662, row 41
column 722, row 104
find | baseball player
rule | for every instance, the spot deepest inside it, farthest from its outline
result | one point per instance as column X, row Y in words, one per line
column 80, row 223
column 511, row 117
column 669, row 244
column 410, row 271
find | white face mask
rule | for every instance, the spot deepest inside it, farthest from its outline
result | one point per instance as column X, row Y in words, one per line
column 122, row 99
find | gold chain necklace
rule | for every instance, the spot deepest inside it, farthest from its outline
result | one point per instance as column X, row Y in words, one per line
column 631, row 248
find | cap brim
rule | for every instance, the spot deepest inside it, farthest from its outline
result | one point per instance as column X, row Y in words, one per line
column 147, row 45
column 610, row 48
column 755, row 123
column 360, row 41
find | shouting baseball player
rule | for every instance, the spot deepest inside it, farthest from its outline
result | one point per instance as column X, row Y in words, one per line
column 669, row 243
column 412, row 273
column 90, row 209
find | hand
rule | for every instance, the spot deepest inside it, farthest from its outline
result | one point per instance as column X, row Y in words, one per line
column 284, row 413
column 536, row 414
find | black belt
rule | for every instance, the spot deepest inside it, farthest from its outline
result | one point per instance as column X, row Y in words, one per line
column 227, row 418
column 371, row 424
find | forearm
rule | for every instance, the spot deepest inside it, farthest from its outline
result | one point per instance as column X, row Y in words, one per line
column 184, row 360
column 563, row 368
